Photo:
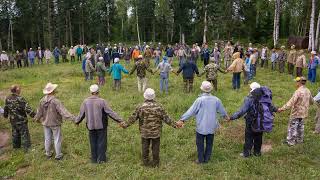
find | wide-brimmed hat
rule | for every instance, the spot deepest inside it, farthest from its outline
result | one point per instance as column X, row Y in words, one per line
column 206, row 86
column 94, row 88
column 49, row 88
column 254, row 86
column 149, row 94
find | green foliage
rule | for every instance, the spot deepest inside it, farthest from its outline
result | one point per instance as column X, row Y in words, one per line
column 178, row 149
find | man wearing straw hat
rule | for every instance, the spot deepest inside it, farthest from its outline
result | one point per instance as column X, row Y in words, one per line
column 205, row 109
column 51, row 112
column 96, row 111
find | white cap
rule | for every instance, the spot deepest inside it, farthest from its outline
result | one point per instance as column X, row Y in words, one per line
column 94, row 88
column 206, row 86
column 313, row 52
column 149, row 94
column 116, row 60
column 49, row 88
column 100, row 58
column 254, row 86
column 140, row 57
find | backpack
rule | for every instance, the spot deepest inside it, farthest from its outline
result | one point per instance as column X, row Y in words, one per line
column 263, row 116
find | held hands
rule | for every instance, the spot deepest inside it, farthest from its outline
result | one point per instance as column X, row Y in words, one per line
column 123, row 125
column 180, row 124
column 280, row 110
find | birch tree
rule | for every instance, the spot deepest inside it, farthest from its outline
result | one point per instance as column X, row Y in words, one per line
column 277, row 11
column 317, row 32
column 311, row 29
column 205, row 29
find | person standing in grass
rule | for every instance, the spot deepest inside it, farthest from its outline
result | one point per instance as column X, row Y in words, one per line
column 282, row 59
column 157, row 54
column 312, row 67
column 264, row 57
column 147, row 54
column 247, row 72
column 101, row 71
column 136, row 54
column 116, row 70
column 206, row 55
column 151, row 115
column 18, row 58
column 39, row 55
column 79, row 53
column 47, row 55
column 165, row 68
column 274, row 59
column 211, row 71
column 170, row 53
column 16, row 109
column 56, row 54
column 253, row 138
column 96, row 111
column 89, row 68
column 301, row 63
column 205, row 109
column 141, row 67
column 236, row 68
column 292, row 59
column 253, row 59
column 299, row 104
column 316, row 99
column 188, row 70
column 51, row 112
column 31, row 56
column 64, row 53
column 72, row 53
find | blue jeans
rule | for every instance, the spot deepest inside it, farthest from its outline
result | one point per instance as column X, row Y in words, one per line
column 32, row 61
column 164, row 83
column 88, row 76
column 181, row 61
column 236, row 80
column 312, row 73
column 253, row 70
column 156, row 60
column 204, row 153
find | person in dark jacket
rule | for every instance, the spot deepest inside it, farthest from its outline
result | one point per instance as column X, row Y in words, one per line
column 252, row 139
column 206, row 55
column 188, row 70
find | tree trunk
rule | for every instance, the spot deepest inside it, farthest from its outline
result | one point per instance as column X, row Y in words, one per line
column 311, row 29
column 82, row 26
column 108, row 22
column 49, row 26
column 70, row 29
column 205, row 29
column 317, row 33
column 276, row 23
column 122, row 29
column 66, row 30
column 154, row 31
column 0, row 45
column 137, row 22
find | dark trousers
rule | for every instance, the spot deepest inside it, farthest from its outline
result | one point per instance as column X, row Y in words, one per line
column 188, row 85
column 214, row 84
column 98, row 145
column 155, row 146
column 264, row 63
column 290, row 68
column 204, row 153
column 205, row 61
column 79, row 57
column 19, row 64
column 236, row 80
column 72, row 58
column 253, row 70
column 299, row 72
column 252, row 140
column 20, row 135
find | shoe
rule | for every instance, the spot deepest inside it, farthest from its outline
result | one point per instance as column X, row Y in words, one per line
column 242, row 155
column 285, row 142
column 59, row 158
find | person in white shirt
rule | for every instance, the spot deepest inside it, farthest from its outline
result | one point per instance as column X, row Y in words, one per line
column 47, row 55
column 4, row 60
column 72, row 53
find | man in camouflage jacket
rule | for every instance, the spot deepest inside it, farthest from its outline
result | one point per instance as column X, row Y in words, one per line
column 211, row 71
column 150, row 115
column 141, row 66
column 282, row 59
column 16, row 109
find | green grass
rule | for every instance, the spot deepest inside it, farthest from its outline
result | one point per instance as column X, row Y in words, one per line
column 178, row 149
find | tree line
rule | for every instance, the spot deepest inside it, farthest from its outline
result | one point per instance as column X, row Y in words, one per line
column 49, row 23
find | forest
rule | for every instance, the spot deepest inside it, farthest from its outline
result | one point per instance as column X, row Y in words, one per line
column 49, row 23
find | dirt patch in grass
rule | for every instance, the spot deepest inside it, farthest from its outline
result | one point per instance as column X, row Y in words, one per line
column 4, row 138
column 267, row 146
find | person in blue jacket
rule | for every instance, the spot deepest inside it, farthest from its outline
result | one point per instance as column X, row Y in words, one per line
column 312, row 67
column 206, row 55
column 56, row 54
column 188, row 70
column 116, row 70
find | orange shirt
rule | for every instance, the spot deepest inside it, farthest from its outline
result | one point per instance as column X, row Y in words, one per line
column 135, row 54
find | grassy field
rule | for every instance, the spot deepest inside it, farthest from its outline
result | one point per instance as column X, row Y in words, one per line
column 178, row 149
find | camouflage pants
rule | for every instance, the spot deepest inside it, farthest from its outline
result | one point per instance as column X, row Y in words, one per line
column 188, row 85
column 295, row 131
column 281, row 66
column 214, row 83
column 20, row 135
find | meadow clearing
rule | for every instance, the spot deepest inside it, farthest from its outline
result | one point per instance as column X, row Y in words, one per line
column 178, row 148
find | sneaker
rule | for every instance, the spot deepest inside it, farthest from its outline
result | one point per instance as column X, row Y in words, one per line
column 242, row 155
column 59, row 158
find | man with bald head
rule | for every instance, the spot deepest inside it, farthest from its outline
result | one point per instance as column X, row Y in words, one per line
column 16, row 109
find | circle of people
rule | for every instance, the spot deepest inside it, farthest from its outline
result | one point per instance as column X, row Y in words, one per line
column 257, row 109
